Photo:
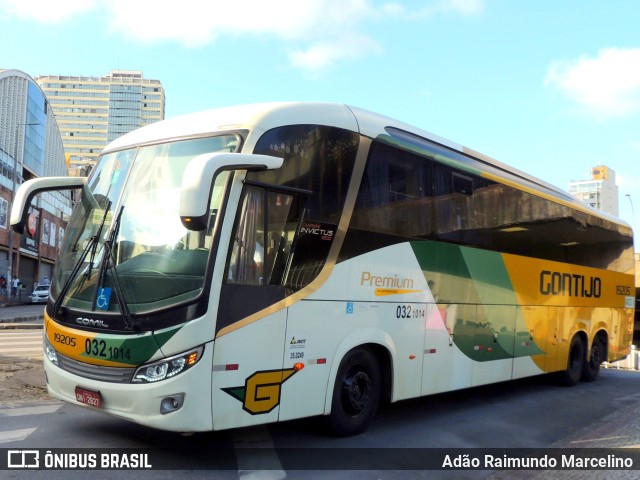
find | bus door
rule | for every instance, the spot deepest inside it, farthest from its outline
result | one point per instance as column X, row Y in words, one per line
column 248, row 371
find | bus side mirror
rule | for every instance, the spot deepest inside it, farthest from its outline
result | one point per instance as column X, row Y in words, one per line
column 26, row 192
column 197, row 183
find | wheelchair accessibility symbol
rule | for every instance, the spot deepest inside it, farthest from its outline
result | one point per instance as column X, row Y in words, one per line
column 104, row 297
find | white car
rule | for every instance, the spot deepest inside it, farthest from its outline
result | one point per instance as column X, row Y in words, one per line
column 40, row 294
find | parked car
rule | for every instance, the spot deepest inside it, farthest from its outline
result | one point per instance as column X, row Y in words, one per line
column 40, row 294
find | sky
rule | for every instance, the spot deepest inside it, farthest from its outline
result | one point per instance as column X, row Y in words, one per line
column 551, row 87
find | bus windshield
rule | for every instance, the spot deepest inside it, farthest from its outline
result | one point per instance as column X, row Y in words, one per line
column 125, row 249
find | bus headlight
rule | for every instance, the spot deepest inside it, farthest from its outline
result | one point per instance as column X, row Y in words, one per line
column 49, row 351
column 167, row 367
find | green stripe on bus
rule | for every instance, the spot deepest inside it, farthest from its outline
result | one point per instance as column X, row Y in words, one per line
column 488, row 324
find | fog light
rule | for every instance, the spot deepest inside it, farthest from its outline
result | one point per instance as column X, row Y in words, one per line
column 172, row 403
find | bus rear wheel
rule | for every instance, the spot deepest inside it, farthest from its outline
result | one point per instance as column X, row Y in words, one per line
column 591, row 367
column 575, row 362
column 356, row 393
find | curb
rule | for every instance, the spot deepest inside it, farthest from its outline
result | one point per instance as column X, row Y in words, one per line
column 27, row 322
column 20, row 326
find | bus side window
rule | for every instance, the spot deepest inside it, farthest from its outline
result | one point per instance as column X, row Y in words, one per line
column 395, row 196
column 282, row 223
column 247, row 248
column 263, row 238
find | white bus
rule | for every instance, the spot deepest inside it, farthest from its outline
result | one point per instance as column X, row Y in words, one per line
column 269, row 262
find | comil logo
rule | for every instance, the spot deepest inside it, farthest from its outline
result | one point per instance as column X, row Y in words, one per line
column 90, row 322
column 23, row 459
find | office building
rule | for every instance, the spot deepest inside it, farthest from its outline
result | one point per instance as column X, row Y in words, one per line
column 93, row 111
column 600, row 191
column 30, row 146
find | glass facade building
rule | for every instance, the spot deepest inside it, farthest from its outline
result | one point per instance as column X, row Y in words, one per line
column 30, row 146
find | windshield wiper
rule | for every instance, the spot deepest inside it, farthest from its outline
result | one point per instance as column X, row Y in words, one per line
column 97, row 241
column 108, row 262
column 92, row 245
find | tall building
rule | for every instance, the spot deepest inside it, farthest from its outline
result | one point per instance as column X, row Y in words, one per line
column 599, row 192
column 92, row 111
column 30, row 146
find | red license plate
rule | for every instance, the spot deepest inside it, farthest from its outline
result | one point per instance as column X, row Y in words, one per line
column 89, row 397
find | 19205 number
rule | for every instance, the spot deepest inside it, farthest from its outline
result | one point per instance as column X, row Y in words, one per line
column 64, row 339
column 623, row 290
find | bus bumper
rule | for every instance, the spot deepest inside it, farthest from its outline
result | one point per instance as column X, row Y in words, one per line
column 142, row 402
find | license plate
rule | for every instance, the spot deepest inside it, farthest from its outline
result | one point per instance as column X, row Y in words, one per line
column 89, row 397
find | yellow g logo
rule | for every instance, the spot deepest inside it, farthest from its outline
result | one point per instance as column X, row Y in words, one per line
column 261, row 391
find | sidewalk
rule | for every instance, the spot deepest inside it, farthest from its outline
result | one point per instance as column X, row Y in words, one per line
column 619, row 430
column 21, row 317
column 22, row 380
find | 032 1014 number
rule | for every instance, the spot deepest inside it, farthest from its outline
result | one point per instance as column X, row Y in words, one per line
column 99, row 348
column 409, row 311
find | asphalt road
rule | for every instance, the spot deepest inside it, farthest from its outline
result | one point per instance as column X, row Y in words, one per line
column 532, row 413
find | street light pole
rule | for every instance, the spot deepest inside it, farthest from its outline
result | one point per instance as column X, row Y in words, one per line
column 11, row 199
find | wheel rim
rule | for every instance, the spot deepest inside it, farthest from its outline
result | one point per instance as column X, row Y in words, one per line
column 356, row 391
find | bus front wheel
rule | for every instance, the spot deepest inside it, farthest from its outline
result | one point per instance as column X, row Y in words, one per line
column 356, row 393
column 575, row 362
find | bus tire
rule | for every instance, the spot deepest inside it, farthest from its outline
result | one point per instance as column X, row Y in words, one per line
column 356, row 393
column 591, row 367
column 575, row 363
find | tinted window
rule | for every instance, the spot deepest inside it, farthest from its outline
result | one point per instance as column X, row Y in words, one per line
column 407, row 195
column 316, row 158
column 396, row 194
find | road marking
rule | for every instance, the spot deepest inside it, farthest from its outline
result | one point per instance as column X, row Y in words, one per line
column 22, row 343
column 37, row 410
column 15, row 435
column 9, row 336
column 22, row 349
column 260, row 461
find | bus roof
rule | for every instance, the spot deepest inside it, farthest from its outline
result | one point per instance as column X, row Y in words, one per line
column 262, row 117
